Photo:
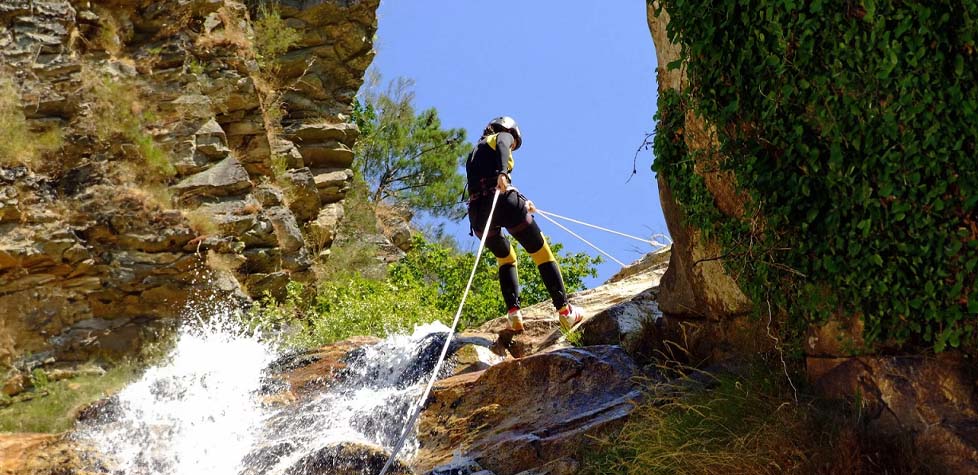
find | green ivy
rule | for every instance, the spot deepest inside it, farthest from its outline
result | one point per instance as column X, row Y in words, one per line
column 852, row 127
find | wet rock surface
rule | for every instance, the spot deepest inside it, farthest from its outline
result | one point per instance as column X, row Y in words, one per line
column 524, row 414
column 44, row 454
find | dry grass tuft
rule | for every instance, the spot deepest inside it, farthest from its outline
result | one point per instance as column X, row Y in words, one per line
column 233, row 33
column 746, row 424
column 118, row 115
column 201, row 222
column 19, row 144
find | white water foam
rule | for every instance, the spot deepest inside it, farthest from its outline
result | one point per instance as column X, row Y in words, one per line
column 201, row 412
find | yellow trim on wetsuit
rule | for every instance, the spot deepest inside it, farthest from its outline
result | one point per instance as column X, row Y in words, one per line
column 509, row 259
column 543, row 255
column 491, row 141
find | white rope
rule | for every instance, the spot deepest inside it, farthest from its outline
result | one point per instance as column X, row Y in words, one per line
column 448, row 339
column 572, row 233
column 612, row 231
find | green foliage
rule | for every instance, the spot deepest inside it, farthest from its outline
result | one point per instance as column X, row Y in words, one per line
column 407, row 157
column 57, row 402
column 118, row 115
column 425, row 286
column 273, row 37
column 447, row 270
column 574, row 337
column 346, row 306
column 39, row 379
column 348, row 251
column 19, row 145
column 851, row 129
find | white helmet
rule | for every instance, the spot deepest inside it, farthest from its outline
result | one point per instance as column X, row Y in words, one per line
column 507, row 124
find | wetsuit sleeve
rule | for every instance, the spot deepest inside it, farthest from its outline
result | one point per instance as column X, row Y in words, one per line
column 504, row 147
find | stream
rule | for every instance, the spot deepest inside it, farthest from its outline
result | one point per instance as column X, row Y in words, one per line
column 202, row 411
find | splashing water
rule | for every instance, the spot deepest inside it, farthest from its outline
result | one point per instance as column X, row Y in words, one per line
column 201, row 412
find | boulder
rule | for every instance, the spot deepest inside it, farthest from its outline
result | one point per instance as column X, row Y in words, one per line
column 43, row 454
column 332, row 183
column 935, row 399
column 226, row 178
column 313, row 132
column 627, row 324
column 696, row 284
column 540, row 320
column 303, row 194
column 396, row 227
column 654, row 260
column 347, row 458
column 211, row 140
column 327, row 155
column 286, row 229
column 322, row 230
column 524, row 414
column 307, row 373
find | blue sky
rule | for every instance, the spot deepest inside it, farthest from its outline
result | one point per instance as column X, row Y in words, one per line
column 579, row 77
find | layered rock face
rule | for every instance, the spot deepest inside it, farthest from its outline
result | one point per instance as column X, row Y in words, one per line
column 220, row 174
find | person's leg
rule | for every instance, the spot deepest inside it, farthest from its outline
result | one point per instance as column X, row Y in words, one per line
column 506, row 258
column 531, row 238
column 500, row 247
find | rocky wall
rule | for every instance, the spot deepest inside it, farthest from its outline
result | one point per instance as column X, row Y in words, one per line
column 932, row 399
column 96, row 252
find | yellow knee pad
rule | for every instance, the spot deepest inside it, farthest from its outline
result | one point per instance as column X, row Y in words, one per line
column 509, row 259
column 543, row 255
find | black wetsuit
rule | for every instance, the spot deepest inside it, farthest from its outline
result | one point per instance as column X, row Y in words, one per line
column 491, row 158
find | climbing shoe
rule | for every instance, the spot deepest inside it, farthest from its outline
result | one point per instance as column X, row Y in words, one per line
column 515, row 319
column 569, row 316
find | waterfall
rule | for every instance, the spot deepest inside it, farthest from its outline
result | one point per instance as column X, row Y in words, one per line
column 202, row 411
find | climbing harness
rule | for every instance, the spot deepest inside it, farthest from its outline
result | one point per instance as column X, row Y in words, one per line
column 444, row 351
column 550, row 217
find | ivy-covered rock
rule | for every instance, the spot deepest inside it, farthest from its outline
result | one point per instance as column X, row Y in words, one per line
column 850, row 131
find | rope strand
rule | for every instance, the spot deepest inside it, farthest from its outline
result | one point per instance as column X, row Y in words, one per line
column 448, row 339
column 647, row 241
column 572, row 233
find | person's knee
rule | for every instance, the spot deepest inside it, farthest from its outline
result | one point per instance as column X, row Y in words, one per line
column 543, row 255
column 508, row 259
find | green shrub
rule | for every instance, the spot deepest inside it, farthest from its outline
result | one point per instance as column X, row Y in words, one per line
column 118, row 114
column 19, row 145
column 425, row 286
column 348, row 306
column 447, row 270
column 273, row 37
column 850, row 127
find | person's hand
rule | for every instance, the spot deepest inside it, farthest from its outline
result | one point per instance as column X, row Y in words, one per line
column 502, row 183
column 530, row 207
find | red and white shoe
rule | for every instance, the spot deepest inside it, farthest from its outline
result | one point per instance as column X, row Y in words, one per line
column 515, row 319
column 569, row 316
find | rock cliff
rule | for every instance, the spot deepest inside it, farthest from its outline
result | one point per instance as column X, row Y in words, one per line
column 200, row 147
column 931, row 398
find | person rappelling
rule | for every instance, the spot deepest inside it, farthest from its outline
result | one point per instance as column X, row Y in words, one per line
column 488, row 169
